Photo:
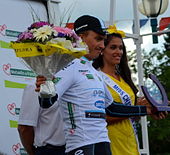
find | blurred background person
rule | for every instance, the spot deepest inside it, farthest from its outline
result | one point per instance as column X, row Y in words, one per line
column 41, row 130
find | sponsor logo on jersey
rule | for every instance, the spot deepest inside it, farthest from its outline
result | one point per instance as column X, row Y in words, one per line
column 79, row 152
column 57, row 79
column 89, row 76
column 100, row 104
column 82, row 61
column 81, row 70
column 98, row 93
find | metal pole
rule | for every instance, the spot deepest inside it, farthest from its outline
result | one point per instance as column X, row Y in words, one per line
column 156, row 33
column 138, row 43
column 54, row 11
column 112, row 11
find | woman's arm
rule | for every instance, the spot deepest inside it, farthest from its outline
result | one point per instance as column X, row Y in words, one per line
column 111, row 120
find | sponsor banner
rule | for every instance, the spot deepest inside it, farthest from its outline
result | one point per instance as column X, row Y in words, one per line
column 13, row 124
column 14, row 75
column 21, row 72
column 12, row 33
column 4, row 44
column 11, row 84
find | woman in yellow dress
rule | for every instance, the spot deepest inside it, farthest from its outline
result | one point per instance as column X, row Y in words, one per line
column 113, row 66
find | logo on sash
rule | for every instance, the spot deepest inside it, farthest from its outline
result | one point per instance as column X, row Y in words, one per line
column 125, row 98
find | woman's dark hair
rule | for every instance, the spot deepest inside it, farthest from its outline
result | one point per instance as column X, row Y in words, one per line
column 124, row 70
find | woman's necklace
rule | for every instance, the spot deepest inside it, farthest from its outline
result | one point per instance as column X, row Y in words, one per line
column 112, row 73
column 115, row 75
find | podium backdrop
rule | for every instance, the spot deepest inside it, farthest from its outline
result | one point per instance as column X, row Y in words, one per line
column 15, row 16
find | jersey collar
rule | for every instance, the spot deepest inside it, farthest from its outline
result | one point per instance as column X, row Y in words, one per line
column 84, row 60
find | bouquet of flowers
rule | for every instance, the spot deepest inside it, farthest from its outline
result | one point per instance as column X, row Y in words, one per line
column 46, row 49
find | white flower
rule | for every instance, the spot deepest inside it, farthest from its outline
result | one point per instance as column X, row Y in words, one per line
column 80, row 45
column 42, row 33
column 55, row 33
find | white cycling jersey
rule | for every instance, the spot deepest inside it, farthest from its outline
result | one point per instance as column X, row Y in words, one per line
column 83, row 97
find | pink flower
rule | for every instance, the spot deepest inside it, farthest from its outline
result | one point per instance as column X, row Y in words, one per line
column 25, row 36
column 43, row 31
column 66, row 31
column 75, row 36
column 39, row 24
column 63, row 30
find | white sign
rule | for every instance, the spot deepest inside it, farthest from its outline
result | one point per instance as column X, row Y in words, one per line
column 16, row 16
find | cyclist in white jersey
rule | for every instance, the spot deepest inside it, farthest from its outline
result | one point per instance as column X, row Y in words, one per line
column 83, row 95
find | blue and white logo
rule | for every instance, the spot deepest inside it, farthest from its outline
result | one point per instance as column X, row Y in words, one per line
column 100, row 104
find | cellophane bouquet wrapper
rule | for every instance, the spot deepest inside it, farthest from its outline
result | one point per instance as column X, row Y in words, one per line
column 46, row 49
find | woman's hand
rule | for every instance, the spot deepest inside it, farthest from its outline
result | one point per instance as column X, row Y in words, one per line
column 142, row 101
column 160, row 115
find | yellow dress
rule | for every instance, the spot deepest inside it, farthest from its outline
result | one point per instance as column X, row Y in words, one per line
column 121, row 134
